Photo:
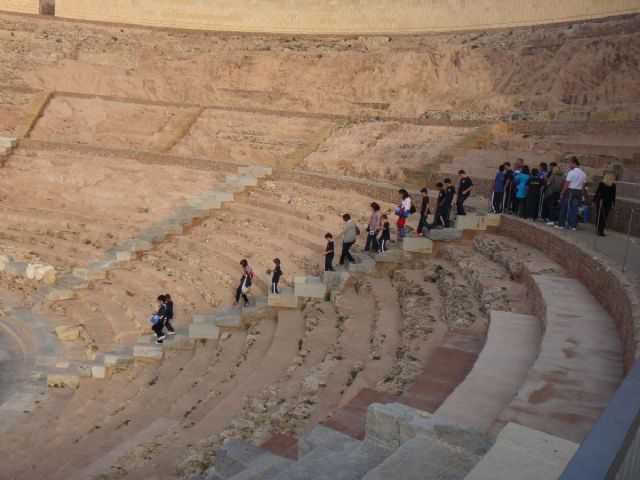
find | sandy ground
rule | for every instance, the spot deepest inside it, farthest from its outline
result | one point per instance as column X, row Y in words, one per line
column 246, row 137
column 543, row 68
column 95, row 121
column 385, row 151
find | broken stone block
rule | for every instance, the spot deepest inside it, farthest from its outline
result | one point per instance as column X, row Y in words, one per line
column 417, row 245
column 63, row 379
column 309, row 287
column 98, row 371
column 444, row 235
column 68, row 333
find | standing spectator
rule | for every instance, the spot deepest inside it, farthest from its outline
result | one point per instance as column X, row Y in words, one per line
column 522, row 181
column 373, row 228
column 329, row 253
column 552, row 195
column 508, row 187
column 513, row 200
column 403, row 211
column 157, row 319
column 275, row 278
column 498, row 191
column 533, row 194
column 449, row 194
column 605, row 198
column 168, row 316
column 424, row 212
column 571, row 195
column 438, row 218
column 349, row 234
column 544, row 170
column 464, row 190
column 385, row 237
column 245, row 283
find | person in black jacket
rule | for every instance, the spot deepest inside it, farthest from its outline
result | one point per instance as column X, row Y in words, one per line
column 449, row 194
column 534, row 190
column 605, row 198
column 424, row 212
column 158, row 316
column 464, row 190
column 277, row 273
column 168, row 316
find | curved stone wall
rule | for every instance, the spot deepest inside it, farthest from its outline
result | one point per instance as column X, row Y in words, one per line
column 339, row 16
column 20, row 6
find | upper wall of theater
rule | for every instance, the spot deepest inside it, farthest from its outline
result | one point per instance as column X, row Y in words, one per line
column 332, row 16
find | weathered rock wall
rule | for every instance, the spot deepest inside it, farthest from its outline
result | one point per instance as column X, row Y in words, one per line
column 340, row 16
column 20, row 6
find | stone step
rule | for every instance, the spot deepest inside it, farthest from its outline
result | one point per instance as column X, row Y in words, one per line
column 534, row 455
column 231, row 317
column 257, row 170
column 89, row 274
column 285, row 299
column 309, row 287
column 470, row 221
column 147, row 349
column 8, row 142
column 393, row 256
column 363, row 264
column 510, row 350
column 421, row 457
column 239, row 460
column 352, row 464
column 444, row 235
column 338, row 278
column 329, row 438
column 245, row 180
column 204, row 331
column 417, row 245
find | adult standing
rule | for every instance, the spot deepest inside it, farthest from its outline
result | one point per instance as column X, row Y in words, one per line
column 245, row 283
column 513, row 198
column 349, row 235
column 373, row 228
column 498, row 190
column 534, row 191
column 424, row 212
column 571, row 195
column 508, row 187
column 522, row 183
column 464, row 191
column 605, row 199
column 449, row 194
column 551, row 195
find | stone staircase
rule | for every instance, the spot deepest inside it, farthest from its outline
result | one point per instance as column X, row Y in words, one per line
column 7, row 144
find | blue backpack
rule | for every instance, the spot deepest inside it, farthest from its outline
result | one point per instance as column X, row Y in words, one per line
column 155, row 319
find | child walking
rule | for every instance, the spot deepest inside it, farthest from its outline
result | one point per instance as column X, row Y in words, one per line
column 245, row 283
column 385, row 236
column 168, row 315
column 329, row 253
column 277, row 273
column 157, row 319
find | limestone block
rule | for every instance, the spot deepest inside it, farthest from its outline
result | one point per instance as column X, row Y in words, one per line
column 309, row 287
column 220, row 195
column 68, row 333
column 63, row 379
column 285, row 299
column 8, row 142
column 117, row 359
column 226, row 318
column 84, row 370
column 246, row 180
column 15, row 268
column 393, row 256
column 140, row 245
column 30, row 271
column 364, row 263
column 493, row 219
column 204, row 330
column 87, row 274
column 204, row 202
column 324, row 437
column 470, row 221
column 98, row 371
column 337, row 278
column 123, row 256
column 255, row 170
column 417, row 245
column 59, row 294
column 147, row 351
column 444, row 235
column 50, row 276
column 153, row 236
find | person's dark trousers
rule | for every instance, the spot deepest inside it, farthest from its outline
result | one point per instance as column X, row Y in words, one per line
column 328, row 262
column 437, row 218
column 240, row 294
column 569, row 207
column 167, row 323
column 533, row 203
column 513, row 201
column 552, row 208
column 372, row 242
column 446, row 213
column 460, row 204
column 345, row 254
column 422, row 223
column 522, row 207
column 497, row 201
column 602, row 212
column 274, row 287
column 157, row 328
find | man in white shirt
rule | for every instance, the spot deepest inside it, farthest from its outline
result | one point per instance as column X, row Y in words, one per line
column 571, row 195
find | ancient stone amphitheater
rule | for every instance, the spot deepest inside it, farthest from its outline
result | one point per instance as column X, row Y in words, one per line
column 147, row 146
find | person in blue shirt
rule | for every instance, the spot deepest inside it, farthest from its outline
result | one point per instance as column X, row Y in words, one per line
column 522, row 182
column 498, row 190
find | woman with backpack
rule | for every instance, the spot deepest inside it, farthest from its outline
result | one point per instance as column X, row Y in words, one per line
column 373, row 228
column 157, row 319
column 245, row 283
column 403, row 211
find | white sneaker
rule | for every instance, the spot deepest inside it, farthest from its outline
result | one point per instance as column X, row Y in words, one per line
column 162, row 337
column 171, row 333
column 558, row 226
column 573, row 229
column 158, row 342
column 551, row 223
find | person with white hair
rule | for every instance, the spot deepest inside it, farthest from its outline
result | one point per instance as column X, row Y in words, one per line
column 605, row 199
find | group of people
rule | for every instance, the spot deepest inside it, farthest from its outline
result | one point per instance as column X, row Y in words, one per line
column 550, row 194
